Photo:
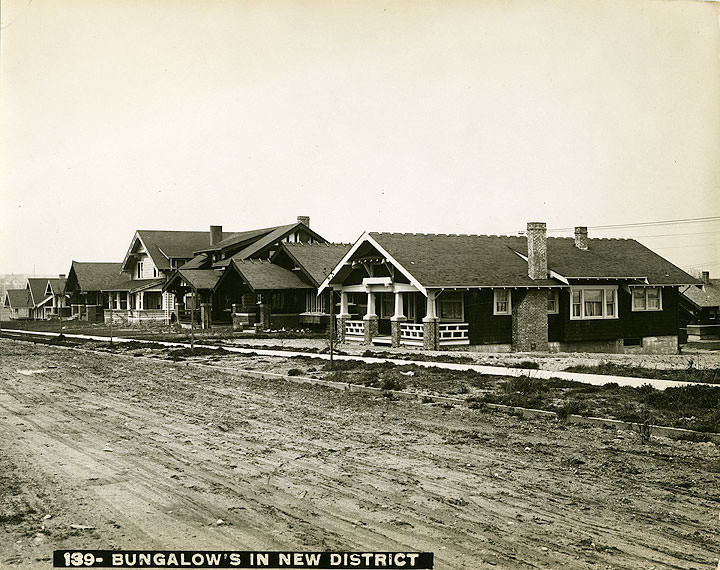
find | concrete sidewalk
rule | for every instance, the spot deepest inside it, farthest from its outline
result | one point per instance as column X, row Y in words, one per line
column 594, row 379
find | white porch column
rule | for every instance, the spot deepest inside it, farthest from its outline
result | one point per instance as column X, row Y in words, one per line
column 371, row 305
column 141, row 300
column 344, row 311
column 399, row 309
column 111, row 299
column 430, row 311
column 128, row 300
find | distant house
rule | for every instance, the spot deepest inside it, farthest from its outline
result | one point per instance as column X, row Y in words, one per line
column 85, row 286
column 237, row 281
column 700, row 306
column 508, row 293
column 41, row 300
column 19, row 303
column 136, row 294
column 55, row 288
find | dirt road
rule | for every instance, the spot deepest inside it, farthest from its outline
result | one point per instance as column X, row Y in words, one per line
column 163, row 455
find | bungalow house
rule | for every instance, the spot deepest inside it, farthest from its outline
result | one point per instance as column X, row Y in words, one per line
column 136, row 294
column 19, row 303
column 508, row 293
column 312, row 262
column 700, row 305
column 41, row 300
column 268, row 293
column 56, row 289
column 85, row 286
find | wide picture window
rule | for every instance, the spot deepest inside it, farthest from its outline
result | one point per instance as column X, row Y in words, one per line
column 593, row 303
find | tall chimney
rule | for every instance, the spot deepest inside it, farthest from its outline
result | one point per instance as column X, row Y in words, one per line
column 537, row 250
column 581, row 237
column 304, row 220
column 215, row 234
column 706, row 277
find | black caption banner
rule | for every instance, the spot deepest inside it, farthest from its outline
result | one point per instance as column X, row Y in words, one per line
column 240, row 559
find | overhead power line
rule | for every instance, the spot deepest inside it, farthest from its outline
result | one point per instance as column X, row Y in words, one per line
column 645, row 224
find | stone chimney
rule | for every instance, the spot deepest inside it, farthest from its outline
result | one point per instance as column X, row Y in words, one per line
column 537, row 250
column 706, row 277
column 215, row 234
column 304, row 220
column 581, row 237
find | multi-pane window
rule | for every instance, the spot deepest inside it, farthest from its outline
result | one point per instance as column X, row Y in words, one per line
column 139, row 273
column 553, row 306
column 646, row 299
column 593, row 303
column 315, row 303
column 450, row 306
column 501, row 302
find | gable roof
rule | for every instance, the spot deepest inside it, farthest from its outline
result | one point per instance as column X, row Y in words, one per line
column 200, row 278
column 442, row 260
column 37, row 287
column 263, row 275
column 238, row 238
column 316, row 260
column 163, row 245
column 265, row 242
column 94, row 276
column 609, row 258
column 56, row 285
column 707, row 295
column 18, row 299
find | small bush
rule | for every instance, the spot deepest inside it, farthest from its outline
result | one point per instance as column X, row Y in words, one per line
column 294, row 372
column 391, row 383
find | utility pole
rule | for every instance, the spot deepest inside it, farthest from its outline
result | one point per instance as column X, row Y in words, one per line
column 192, row 322
column 332, row 327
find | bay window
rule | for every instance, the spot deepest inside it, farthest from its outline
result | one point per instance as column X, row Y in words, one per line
column 598, row 302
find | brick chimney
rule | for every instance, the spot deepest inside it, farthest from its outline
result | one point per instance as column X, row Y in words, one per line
column 215, row 234
column 61, row 276
column 537, row 250
column 304, row 220
column 581, row 237
column 706, row 277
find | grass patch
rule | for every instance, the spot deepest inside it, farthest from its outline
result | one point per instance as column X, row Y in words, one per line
column 690, row 374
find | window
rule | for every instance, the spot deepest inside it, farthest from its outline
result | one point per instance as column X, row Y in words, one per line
column 501, row 302
column 593, row 303
column 155, row 272
column 553, row 305
column 646, row 299
column 450, row 306
column 313, row 303
column 139, row 269
column 387, row 305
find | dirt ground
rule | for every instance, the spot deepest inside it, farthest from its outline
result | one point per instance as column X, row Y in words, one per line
column 110, row 451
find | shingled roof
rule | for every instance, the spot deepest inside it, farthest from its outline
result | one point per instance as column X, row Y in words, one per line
column 56, row 285
column 707, row 295
column 609, row 258
column 442, row 260
column 162, row 245
column 263, row 275
column 200, row 278
column 37, row 287
column 316, row 260
column 93, row 276
column 18, row 299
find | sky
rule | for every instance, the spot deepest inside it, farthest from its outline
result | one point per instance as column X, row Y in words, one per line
column 425, row 117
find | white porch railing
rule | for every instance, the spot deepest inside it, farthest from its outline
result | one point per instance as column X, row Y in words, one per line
column 411, row 334
column 453, row 334
column 355, row 330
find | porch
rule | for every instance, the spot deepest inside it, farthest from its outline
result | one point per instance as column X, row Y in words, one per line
column 411, row 334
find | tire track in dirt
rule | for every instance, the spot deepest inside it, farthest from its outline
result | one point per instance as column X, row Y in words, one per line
column 319, row 467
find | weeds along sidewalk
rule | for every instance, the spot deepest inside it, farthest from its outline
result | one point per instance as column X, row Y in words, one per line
column 582, row 377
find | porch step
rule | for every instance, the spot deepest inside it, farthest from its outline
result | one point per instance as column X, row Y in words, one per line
column 382, row 340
